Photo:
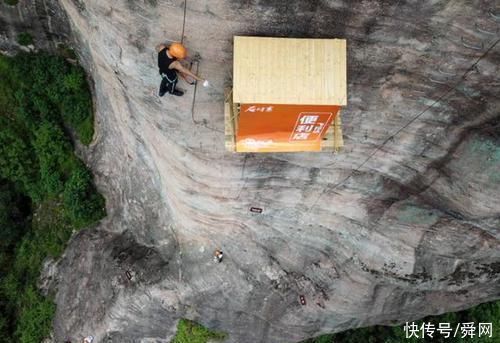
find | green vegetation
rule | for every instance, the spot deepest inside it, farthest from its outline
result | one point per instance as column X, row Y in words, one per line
column 42, row 87
column 12, row 3
column 46, row 192
column 484, row 313
column 191, row 332
column 66, row 51
column 24, row 38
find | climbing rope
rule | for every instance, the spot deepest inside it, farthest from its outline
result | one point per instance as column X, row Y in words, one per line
column 193, row 103
column 184, row 21
column 196, row 61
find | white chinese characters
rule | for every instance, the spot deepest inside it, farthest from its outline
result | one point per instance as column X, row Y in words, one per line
column 462, row 330
column 254, row 109
column 309, row 126
column 308, row 119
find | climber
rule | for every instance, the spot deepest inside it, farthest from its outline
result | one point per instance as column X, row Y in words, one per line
column 218, row 255
column 169, row 58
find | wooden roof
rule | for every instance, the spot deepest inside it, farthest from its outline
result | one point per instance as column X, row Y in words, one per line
column 289, row 71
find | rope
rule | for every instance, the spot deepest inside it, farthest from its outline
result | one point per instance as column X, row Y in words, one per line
column 184, row 21
column 194, row 95
column 193, row 104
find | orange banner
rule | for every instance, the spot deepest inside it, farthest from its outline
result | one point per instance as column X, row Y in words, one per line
column 283, row 128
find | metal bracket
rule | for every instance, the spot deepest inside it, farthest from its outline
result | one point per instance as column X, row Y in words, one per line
column 471, row 46
column 482, row 30
column 431, row 79
column 494, row 15
column 446, row 72
column 196, row 58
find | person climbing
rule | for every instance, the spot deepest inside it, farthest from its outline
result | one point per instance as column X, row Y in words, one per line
column 169, row 58
column 218, row 255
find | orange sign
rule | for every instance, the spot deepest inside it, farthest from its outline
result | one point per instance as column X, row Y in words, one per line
column 283, row 128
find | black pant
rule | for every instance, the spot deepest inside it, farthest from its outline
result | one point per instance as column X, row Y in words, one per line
column 167, row 85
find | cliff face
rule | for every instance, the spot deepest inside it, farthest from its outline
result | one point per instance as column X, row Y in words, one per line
column 405, row 222
column 44, row 20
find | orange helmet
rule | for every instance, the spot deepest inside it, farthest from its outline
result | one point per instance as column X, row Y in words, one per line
column 178, row 51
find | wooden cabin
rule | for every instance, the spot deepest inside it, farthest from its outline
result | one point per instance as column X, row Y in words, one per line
column 287, row 94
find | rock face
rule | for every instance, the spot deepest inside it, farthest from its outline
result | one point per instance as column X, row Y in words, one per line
column 44, row 20
column 404, row 223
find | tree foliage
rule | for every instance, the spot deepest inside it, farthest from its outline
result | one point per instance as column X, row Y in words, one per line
column 18, row 164
column 24, row 38
column 35, row 317
column 52, row 148
column 12, row 3
column 47, row 88
column 191, row 332
column 46, row 192
column 84, row 205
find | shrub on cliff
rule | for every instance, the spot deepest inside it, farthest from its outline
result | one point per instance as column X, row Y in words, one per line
column 83, row 203
column 18, row 164
column 24, row 38
column 53, row 150
column 191, row 332
column 11, row 2
column 35, row 318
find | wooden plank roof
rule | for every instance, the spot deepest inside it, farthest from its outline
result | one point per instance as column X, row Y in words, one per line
column 289, row 71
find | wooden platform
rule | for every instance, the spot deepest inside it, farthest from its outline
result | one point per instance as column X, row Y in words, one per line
column 333, row 140
column 231, row 112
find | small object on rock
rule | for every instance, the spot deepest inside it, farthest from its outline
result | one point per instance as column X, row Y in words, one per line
column 302, row 300
column 88, row 339
column 218, row 255
column 255, row 210
column 206, row 83
column 129, row 275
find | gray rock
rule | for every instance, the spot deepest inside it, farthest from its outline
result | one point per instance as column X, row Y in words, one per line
column 44, row 20
column 402, row 224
